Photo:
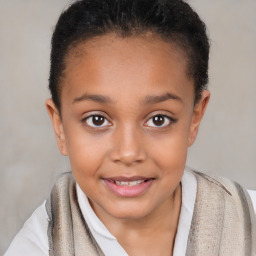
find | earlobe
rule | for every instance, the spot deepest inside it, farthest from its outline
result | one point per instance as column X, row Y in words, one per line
column 198, row 114
column 57, row 126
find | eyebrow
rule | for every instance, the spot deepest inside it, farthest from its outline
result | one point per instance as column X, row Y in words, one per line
column 93, row 97
column 160, row 98
column 151, row 99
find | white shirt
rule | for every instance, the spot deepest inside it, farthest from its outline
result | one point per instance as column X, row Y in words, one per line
column 33, row 240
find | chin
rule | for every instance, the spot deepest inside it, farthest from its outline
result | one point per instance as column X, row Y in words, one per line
column 129, row 211
column 129, row 215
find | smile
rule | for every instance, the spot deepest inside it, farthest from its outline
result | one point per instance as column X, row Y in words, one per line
column 129, row 187
column 129, row 183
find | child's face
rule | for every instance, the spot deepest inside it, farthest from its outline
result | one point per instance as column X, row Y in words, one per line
column 127, row 115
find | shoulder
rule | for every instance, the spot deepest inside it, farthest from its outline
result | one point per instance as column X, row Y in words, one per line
column 224, row 214
column 252, row 194
column 229, row 190
column 32, row 239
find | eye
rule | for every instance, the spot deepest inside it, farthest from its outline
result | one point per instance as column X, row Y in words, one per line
column 96, row 121
column 160, row 121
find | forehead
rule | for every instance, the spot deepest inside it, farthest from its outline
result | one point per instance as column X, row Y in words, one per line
column 112, row 45
column 136, row 64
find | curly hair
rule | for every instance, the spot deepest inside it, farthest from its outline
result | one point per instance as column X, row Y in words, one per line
column 172, row 20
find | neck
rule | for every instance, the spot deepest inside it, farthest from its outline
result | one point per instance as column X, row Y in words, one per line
column 153, row 233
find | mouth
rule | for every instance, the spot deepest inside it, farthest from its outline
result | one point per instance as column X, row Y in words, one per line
column 129, row 187
column 128, row 183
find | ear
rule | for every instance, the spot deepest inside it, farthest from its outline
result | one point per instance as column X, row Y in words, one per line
column 57, row 126
column 198, row 114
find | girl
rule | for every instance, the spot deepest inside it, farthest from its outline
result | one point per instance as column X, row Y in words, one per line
column 128, row 83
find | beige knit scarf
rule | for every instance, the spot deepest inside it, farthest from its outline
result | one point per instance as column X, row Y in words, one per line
column 223, row 223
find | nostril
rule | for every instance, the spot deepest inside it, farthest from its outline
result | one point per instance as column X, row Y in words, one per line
column 127, row 158
column 128, row 147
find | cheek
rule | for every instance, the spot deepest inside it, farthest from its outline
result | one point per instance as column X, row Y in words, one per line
column 86, row 158
column 170, row 150
column 86, row 153
column 171, row 158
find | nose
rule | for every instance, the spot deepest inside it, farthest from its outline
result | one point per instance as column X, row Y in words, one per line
column 128, row 146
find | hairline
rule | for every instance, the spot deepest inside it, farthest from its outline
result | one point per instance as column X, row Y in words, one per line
column 173, row 40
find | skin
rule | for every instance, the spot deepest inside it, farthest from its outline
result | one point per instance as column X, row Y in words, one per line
column 129, row 143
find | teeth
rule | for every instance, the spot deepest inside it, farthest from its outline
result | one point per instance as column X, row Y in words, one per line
column 129, row 183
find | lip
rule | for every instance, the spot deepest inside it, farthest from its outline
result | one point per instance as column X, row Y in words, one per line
column 129, row 191
column 132, row 178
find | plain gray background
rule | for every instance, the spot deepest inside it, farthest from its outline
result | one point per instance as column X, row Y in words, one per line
column 30, row 161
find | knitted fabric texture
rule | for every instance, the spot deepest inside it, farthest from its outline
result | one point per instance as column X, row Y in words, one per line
column 68, row 233
column 223, row 221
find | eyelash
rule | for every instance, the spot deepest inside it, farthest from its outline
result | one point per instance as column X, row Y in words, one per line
column 171, row 120
column 92, row 116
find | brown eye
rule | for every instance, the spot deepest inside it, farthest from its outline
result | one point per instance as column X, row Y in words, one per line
column 160, row 121
column 96, row 121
